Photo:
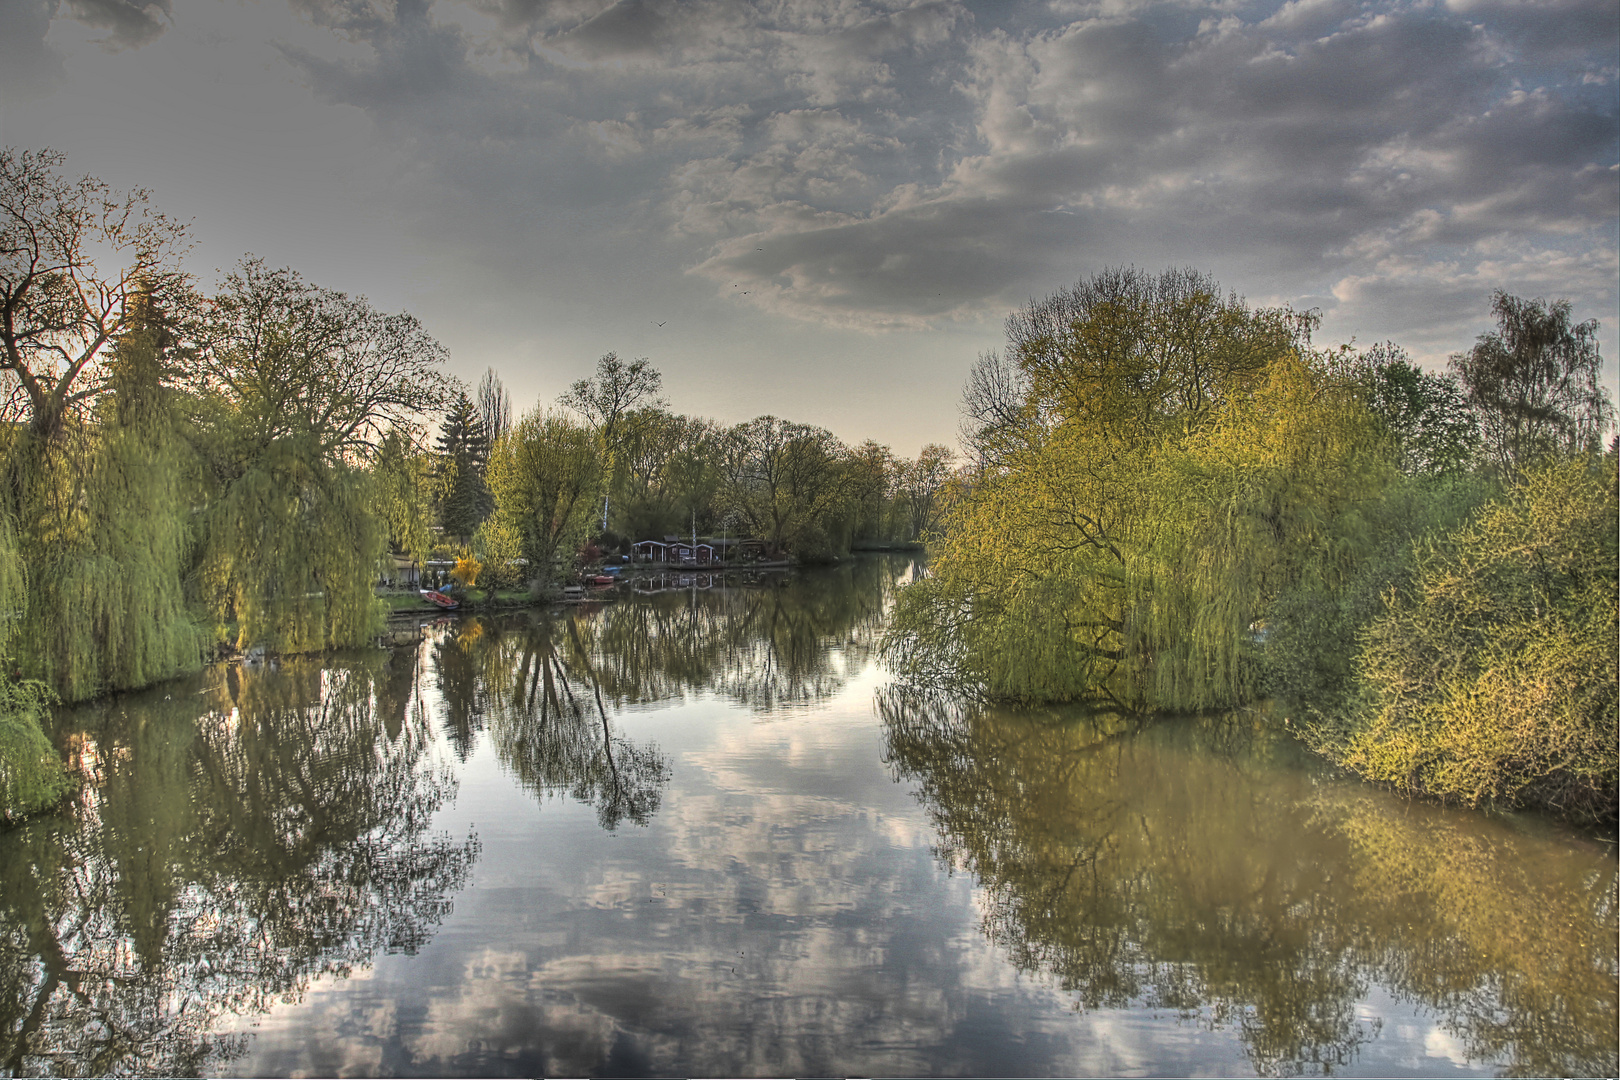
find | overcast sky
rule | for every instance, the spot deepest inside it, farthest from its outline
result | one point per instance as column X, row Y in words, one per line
column 824, row 209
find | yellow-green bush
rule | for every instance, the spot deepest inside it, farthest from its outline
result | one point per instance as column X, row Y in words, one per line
column 1492, row 678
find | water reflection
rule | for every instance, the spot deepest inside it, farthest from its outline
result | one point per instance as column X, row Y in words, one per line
column 1210, row 901
column 546, row 685
column 1200, row 866
column 236, row 838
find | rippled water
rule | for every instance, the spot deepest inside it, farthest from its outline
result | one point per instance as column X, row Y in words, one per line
column 695, row 832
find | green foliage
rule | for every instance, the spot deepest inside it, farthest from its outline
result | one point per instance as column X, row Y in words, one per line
column 1426, row 416
column 1156, row 465
column 306, row 384
column 1492, row 677
column 464, row 454
column 1312, row 628
column 402, row 482
column 786, row 483
column 291, row 550
column 667, row 474
column 1534, row 383
column 31, row 773
column 544, row 474
column 105, row 505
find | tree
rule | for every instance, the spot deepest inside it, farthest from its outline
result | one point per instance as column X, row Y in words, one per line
column 871, row 488
column 86, row 277
column 73, row 255
column 1534, row 383
column 784, row 481
column 304, row 384
column 1426, row 415
column 1156, row 463
column 1492, row 676
column 403, row 489
column 494, row 406
column 992, row 408
column 668, row 472
column 294, row 360
column 920, row 483
column 464, row 454
column 614, row 391
column 544, row 475
column 604, row 400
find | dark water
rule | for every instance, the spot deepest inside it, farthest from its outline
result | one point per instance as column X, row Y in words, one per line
column 696, row 833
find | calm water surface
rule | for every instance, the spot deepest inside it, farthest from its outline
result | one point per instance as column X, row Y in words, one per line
column 695, row 832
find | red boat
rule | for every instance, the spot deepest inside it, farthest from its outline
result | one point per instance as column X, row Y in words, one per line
column 434, row 596
column 602, row 579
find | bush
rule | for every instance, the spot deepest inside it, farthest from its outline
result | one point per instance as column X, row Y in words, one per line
column 1492, row 678
column 1312, row 628
column 31, row 773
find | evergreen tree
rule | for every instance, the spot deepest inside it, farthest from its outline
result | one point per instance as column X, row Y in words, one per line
column 464, row 449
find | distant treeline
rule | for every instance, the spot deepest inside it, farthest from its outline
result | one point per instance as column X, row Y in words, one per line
column 613, row 465
column 183, row 471
column 1177, row 502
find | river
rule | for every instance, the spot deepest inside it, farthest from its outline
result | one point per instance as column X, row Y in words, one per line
column 695, row 831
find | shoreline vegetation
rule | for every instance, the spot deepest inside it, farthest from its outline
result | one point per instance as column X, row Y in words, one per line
column 188, row 473
column 1171, row 501
column 1177, row 503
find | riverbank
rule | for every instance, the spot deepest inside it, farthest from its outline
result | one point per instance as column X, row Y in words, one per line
column 645, row 577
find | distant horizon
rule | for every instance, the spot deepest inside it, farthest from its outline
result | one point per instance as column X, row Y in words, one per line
column 824, row 211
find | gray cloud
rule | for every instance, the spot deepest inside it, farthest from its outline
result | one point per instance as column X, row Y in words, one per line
column 883, row 165
column 875, row 165
column 129, row 23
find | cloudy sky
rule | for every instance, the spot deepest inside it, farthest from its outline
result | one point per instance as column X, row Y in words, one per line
column 824, row 209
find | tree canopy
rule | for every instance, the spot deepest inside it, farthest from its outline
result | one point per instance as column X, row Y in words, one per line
column 74, row 255
column 1154, row 461
column 1534, row 383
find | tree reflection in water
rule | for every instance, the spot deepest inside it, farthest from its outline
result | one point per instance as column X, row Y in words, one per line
column 236, row 837
column 1172, row 864
column 545, row 685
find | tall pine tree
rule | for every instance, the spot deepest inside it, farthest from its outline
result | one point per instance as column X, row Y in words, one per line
column 464, row 448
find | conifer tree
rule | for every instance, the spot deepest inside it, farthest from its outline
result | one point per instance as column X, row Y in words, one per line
column 464, row 449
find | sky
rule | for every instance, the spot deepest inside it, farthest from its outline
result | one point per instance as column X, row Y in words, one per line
column 825, row 209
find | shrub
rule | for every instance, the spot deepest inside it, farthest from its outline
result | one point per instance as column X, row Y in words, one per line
column 1492, row 678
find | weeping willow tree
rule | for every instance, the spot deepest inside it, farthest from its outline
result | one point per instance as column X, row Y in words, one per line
column 403, row 489
column 1155, row 459
column 291, row 551
column 31, row 773
column 305, row 385
column 104, row 505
